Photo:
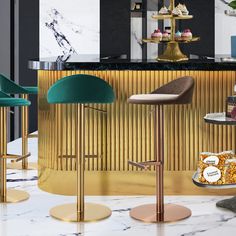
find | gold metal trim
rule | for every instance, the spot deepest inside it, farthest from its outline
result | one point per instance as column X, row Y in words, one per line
column 7, row 196
column 3, row 152
column 24, row 165
column 24, row 131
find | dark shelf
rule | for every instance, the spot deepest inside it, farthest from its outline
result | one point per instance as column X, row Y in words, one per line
column 142, row 11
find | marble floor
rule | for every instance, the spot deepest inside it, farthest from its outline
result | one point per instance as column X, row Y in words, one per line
column 31, row 218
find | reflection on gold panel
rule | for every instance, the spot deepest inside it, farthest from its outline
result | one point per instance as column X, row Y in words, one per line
column 125, row 132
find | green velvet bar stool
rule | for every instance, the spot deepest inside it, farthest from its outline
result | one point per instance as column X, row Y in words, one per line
column 80, row 89
column 8, row 195
column 9, row 87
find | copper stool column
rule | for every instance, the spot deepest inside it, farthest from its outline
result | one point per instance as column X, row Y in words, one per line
column 160, row 212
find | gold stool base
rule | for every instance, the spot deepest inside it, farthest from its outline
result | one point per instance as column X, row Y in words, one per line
column 172, row 212
column 14, row 196
column 18, row 166
column 92, row 212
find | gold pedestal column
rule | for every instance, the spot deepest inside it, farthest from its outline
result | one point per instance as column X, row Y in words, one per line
column 22, row 163
column 80, row 212
column 172, row 53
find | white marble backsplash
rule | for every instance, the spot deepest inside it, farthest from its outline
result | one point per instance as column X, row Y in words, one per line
column 225, row 27
column 136, row 37
column 69, row 26
column 152, row 49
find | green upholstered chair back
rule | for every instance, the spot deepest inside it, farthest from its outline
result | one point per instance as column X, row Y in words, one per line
column 81, row 88
column 8, row 86
column 4, row 95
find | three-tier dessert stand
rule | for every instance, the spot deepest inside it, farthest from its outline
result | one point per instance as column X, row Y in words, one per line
column 172, row 52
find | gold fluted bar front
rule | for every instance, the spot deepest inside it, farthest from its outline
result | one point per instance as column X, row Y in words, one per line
column 125, row 133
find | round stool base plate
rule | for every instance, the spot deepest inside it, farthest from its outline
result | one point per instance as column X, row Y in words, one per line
column 92, row 212
column 14, row 196
column 172, row 212
column 18, row 166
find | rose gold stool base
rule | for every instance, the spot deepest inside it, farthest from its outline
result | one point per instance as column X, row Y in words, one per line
column 172, row 212
column 14, row 196
column 18, row 166
column 92, row 212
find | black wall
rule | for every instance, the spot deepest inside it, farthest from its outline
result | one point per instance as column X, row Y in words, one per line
column 28, row 38
column 7, row 48
column 203, row 25
column 115, row 27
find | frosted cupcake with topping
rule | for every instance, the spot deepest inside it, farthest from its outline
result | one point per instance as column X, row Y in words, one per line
column 164, row 11
column 177, row 12
column 187, row 35
column 165, row 36
column 156, row 34
column 178, row 35
column 183, row 9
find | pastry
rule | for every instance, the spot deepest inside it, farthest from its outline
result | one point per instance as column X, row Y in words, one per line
column 178, row 35
column 216, row 158
column 217, row 168
column 164, row 11
column 231, row 171
column 187, row 35
column 211, row 174
column 177, row 12
column 183, row 9
column 157, row 34
column 165, row 36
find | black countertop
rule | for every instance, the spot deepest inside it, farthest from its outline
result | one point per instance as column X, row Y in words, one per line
column 94, row 62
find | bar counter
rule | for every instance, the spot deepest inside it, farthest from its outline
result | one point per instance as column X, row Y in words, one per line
column 125, row 131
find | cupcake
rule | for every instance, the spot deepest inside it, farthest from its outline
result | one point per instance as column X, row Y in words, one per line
column 165, row 36
column 156, row 34
column 177, row 12
column 178, row 35
column 187, row 35
column 183, row 9
column 164, row 11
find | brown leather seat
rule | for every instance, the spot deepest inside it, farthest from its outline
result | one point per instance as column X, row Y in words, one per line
column 179, row 91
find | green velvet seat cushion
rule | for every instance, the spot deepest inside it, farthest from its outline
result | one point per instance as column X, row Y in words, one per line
column 7, row 101
column 8, row 86
column 81, row 88
column 31, row 90
column 13, row 102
